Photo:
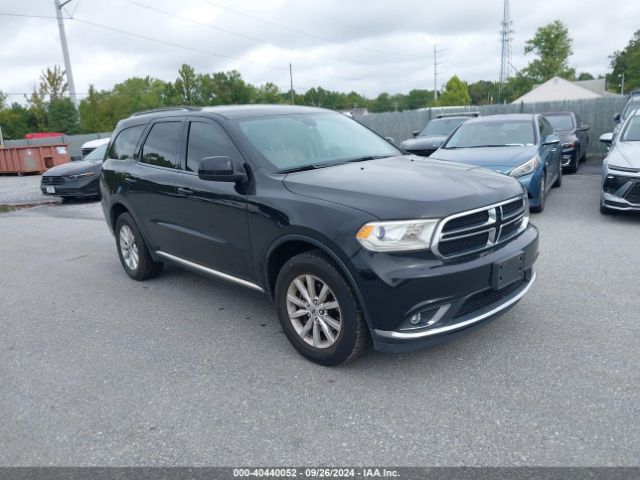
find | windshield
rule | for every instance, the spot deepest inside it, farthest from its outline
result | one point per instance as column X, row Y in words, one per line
column 632, row 131
column 631, row 105
column 492, row 134
column 560, row 122
column 310, row 140
column 96, row 155
column 441, row 127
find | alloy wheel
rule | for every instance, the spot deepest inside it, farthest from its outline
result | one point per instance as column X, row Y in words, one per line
column 314, row 311
column 129, row 247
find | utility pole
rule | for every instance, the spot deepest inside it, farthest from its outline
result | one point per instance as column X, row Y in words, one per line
column 65, row 52
column 293, row 98
column 435, row 71
column 505, row 53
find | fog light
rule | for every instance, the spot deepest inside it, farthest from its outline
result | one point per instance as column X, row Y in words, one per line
column 415, row 320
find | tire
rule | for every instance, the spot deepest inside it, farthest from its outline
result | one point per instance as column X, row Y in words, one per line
column 558, row 182
column 543, row 194
column 312, row 270
column 134, row 257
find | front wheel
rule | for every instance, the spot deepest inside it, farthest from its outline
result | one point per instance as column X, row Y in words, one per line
column 318, row 310
column 133, row 252
column 558, row 182
column 542, row 196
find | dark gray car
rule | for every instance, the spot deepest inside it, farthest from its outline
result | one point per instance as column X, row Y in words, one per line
column 429, row 139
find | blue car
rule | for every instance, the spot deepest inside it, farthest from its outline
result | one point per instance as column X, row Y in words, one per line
column 522, row 146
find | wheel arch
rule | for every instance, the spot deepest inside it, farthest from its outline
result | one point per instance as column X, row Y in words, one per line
column 290, row 245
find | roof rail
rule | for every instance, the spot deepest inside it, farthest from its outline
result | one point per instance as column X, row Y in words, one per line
column 458, row 114
column 166, row 109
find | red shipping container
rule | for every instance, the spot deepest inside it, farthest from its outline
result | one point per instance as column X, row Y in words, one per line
column 32, row 159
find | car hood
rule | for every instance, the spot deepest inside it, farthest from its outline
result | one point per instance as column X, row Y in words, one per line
column 566, row 136
column 405, row 187
column 73, row 168
column 423, row 143
column 500, row 159
column 625, row 154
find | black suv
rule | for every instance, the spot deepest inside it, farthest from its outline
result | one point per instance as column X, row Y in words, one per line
column 351, row 239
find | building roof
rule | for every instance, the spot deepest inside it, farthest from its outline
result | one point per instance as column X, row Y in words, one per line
column 556, row 89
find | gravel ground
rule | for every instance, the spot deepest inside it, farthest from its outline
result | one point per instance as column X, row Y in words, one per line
column 21, row 190
column 97, row 369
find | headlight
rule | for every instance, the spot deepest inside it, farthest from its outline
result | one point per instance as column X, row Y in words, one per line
column 80, row 175
column 525, row 168
column 398, row 236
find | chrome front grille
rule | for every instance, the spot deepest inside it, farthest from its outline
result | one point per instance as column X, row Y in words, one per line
column 476, row 230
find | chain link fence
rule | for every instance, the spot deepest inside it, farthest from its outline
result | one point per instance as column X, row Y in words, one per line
column 598, row 113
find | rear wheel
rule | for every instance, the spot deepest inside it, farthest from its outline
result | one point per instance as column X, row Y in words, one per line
column 133, row 252
column 318, row 310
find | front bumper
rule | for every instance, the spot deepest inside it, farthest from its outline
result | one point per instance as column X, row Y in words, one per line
column 455, row 296
column 569, row 156
column 620, row 190
column 81, row 187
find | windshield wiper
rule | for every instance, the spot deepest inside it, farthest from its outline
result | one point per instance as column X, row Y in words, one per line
column 303, row 168
column 361, row 159
column 315, row 166
column 483, row 146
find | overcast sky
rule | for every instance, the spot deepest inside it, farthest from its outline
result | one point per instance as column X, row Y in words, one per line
column 366, row 46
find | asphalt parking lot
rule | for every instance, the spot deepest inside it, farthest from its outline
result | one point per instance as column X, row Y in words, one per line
column 97, row 369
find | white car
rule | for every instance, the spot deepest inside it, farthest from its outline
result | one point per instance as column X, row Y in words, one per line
column 621, row 167
column 91, row 145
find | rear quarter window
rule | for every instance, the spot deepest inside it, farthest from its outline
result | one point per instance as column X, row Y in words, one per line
column 123, row 147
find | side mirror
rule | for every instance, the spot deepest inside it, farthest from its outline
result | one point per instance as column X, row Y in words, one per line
column 606, row 138
column 616, row 118
column 415, row 133
column 391, row 140
column 584, row 127
column 220, row 169
column 551, row 140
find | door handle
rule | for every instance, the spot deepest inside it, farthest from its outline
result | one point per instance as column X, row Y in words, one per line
column 185, row 191
column 553, row 149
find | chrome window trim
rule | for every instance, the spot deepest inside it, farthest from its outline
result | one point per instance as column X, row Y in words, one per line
column 459, row 325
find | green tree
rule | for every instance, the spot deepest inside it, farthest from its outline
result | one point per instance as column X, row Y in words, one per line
column 382, row 103
column 455, row 93
column 553, row 46
column 483, row 92
column 14, row 121
column 418, row 98
column 186, row 86
column 626, row 61
column 585, row 76
column 62, row 116
column 268, row 93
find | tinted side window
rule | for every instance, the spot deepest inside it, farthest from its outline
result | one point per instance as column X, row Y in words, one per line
column 125, row 143
column 161, row 147
column 543, row 128
column 207, row 140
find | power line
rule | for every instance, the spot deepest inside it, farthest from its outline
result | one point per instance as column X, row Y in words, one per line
column 242, row 35
column 24, row 15
column 301, row 32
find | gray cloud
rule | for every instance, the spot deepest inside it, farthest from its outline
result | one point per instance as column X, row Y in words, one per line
column 373, row 47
